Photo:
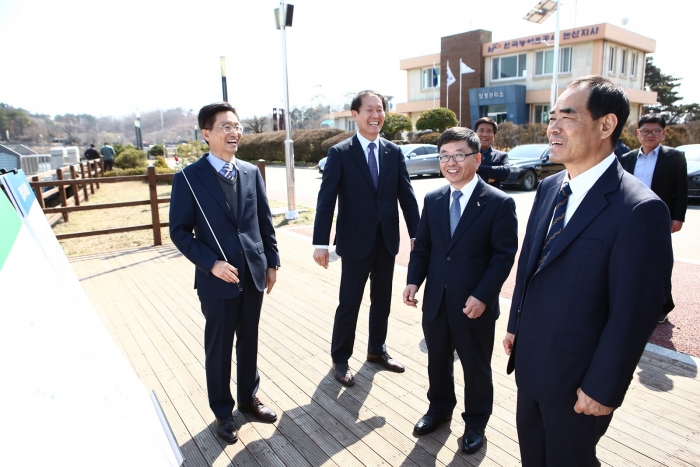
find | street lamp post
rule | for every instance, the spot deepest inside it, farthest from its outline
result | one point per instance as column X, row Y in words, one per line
column 539, row 14
column 223, row 78
column 283, row 18
column 195, row 133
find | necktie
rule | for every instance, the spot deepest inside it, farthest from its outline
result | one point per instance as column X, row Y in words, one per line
column 228, row 170
column 372, row 161
column 455, row 211
column 557, row 221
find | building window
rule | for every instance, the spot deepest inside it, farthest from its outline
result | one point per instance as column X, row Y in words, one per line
column 623, row 63
column 633, row 64
column 544, row 61
column 508, row 67
column 611, row 60
column 430, row 78
column 541, row 114
column 350, row 125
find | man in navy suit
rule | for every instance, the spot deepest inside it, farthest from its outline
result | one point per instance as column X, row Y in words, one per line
column 591, row 279
column 220, row 220
column 665, row 171
column 367, row 175
column 465, row 247
column 494, row 167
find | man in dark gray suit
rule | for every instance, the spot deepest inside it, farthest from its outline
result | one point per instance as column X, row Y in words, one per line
column 367, row 175
column 665, row 171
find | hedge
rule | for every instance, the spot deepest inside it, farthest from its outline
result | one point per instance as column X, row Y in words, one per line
column 308, row 145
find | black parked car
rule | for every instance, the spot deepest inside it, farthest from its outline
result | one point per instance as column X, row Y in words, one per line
column 692, row 157
column 530, row 164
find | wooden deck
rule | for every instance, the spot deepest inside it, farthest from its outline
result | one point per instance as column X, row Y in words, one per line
column 146, row 300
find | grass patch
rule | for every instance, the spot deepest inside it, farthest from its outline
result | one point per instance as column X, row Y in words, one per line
column 136, row 215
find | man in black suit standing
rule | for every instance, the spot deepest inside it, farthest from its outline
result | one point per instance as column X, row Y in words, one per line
column 591, row 279
column 665, row 171
column 494, row 166
column 465, row 247
column 367, row 174
column 220, row 220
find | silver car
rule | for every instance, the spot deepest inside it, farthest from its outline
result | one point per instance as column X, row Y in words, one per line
column 421, row 159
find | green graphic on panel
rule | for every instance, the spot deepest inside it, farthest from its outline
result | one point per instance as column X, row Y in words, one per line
column 11, row 224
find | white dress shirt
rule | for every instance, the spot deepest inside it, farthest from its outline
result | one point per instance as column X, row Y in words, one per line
column 582, row 184
column 364, row 142
column 467, row 191
column 218, row 163
column 644, row 168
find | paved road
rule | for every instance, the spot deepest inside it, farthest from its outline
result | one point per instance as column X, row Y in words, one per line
column 681, row 332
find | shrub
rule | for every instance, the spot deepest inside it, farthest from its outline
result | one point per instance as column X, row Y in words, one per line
column 130, row 158
column 429, row 138
column 191, row 151
column 156, row 150
column 629, row 136
column 438, row 120
column 142, row 171
column 508, row 136
column 676, row 135
column 308, row 145
column 395, row 123
column 160, row 162
column 330, row 142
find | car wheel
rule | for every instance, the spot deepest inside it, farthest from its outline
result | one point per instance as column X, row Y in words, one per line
column 529, row 181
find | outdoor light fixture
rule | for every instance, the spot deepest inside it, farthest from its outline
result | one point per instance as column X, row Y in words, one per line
column 539, row 14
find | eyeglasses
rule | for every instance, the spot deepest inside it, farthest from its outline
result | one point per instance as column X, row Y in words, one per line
column 232, row 128
column 656, row 132
column 444, row 158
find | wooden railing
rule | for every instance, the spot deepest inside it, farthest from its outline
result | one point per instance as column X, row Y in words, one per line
column 59, row 186
column 89, row 172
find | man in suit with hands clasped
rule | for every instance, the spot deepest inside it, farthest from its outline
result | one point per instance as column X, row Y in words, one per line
column 465, row 247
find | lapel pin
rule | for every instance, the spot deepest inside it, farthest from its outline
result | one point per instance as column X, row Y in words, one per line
column 478, row 203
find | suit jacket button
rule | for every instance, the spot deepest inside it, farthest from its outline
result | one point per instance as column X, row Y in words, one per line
column 448, row 258
column 240, row 252
column 239, row 231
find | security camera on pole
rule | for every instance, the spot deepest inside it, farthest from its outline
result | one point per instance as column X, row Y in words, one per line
column 283, row 18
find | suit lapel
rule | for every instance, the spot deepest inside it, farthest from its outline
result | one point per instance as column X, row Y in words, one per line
column 543, row 222
column 358, row 154
column 661, row 160
column 244, row 181
column 383, row 164
column 442, row 210
column 207, row 177
column 593, row 203
column 632, row 161
column 474, row 206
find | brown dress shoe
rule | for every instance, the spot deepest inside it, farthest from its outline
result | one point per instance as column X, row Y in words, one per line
column 387, row 362
column 226, row 429
column 259, row 411
column 343, row 375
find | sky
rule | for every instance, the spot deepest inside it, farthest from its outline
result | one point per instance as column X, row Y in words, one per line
column 110, row 58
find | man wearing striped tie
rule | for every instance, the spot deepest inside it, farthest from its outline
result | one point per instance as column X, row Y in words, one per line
column 465, row 247
column 220, row 220
column 593, row 274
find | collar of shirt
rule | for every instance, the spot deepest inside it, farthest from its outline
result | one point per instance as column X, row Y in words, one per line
column 364, row 142
column 218, row 163
column 583, row 183
column 653, row 152
column 466, row 190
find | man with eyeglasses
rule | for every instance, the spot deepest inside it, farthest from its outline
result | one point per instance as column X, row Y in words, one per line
column 664, row 170
column 220, row 220
column 465, row 247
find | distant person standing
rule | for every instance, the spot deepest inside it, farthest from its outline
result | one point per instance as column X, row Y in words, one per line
column 108, row 154
column 494, row 167
column 91, row 154
column 665, row 171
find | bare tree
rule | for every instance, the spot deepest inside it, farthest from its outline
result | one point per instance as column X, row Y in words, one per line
column 256, row 124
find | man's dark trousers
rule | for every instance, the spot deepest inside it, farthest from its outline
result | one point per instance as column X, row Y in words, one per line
column 474, row 347
column 379, row 267
column 224, row 318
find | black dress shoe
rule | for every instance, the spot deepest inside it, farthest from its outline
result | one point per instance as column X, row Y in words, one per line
column 472, row 441
column 662, row 318
column 428, row 424
column 387, row 362
column 259, row 411
column 343, row 375
column 226, row 430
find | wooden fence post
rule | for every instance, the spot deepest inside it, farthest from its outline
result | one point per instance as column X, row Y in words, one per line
column 261, row 168
column 85, row 185
column 155, row 215
column 38, row 193
column 76, row 188
column 62, row 192
column 97, row 171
